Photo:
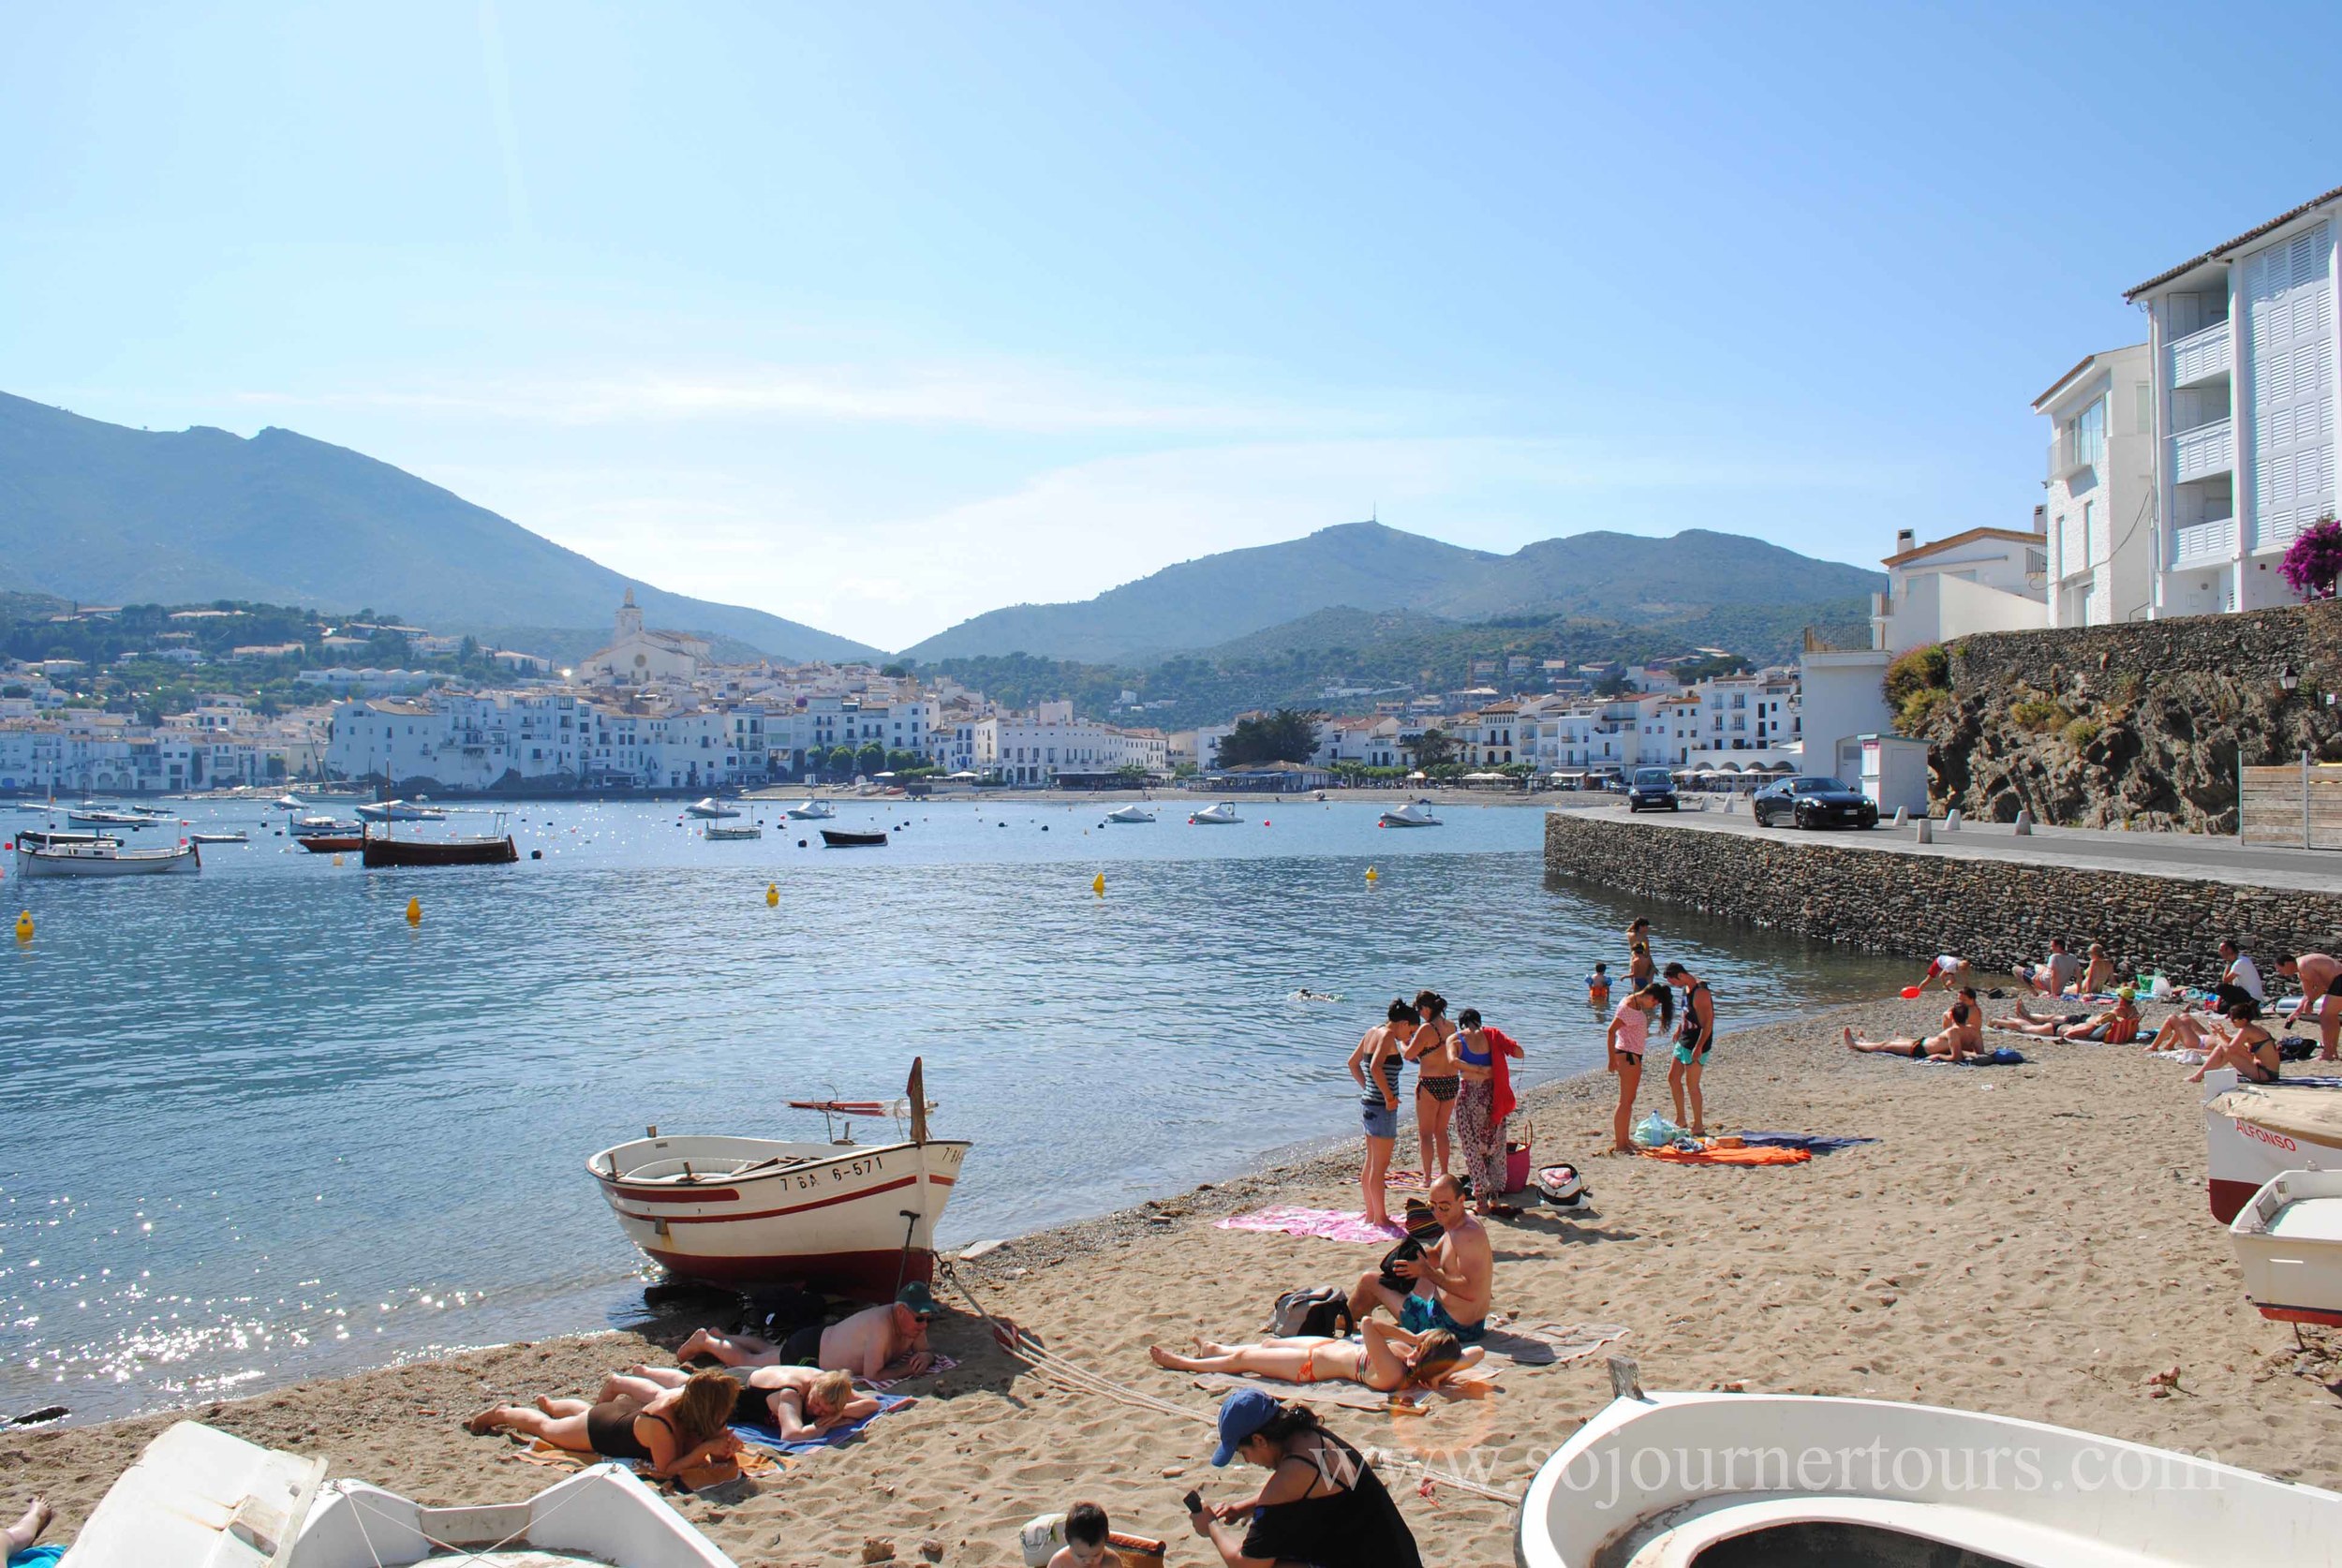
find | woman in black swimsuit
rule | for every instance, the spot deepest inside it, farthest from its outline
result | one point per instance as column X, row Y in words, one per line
column 1433, row 1052
column 2248, row 1048
column 677, row 1431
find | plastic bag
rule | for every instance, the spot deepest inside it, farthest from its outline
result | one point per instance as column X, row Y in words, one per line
column 2159, row 988
column 1655, row 1132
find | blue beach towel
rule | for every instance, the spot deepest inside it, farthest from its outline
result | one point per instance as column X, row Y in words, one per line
column 765, row 1438
column 37, row 1556
column 1818, row 1143
column 1999, row 1056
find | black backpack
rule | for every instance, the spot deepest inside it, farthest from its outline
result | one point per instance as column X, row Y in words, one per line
column 1323, row 1310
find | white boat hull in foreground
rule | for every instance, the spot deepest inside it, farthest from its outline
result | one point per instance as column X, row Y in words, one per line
column 107, row 859
column 2288, row 1242
column 1792, row 1481
column 2254, row 1132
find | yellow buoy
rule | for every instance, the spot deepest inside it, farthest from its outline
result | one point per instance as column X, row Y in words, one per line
column 414, row 911
column 337, row 860
column 1098, row 884
column 772, row 895
column 1373, row 875
column 24, row 926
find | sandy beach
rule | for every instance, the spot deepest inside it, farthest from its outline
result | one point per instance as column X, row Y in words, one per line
column 2028, row 1240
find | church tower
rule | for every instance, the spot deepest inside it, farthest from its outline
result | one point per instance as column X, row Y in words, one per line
column 630, row 620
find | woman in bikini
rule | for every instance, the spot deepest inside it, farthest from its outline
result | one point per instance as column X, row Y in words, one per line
column 680, row 1429
column 1376, row 1065
column 1629, row 1033
column 2248, row 1048
column 2117, row 1026
column 1433, row 1052
column 1388, row 1359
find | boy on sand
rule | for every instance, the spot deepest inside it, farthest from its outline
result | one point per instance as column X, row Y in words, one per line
column 1086, row 1545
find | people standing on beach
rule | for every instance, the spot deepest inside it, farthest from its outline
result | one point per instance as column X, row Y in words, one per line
column 1479, row 1123
column 1629, row 1034
column 1453, row 1283
column 1376, row 1064
column 1321, row 1502
column 1961, row 1036
column 2319, row 976
column 1694, row 1038
column 1433, row 1052
column 888, row 1342
column 680, row 1429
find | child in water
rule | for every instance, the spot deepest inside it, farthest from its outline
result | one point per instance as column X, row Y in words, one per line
column 1598, row 986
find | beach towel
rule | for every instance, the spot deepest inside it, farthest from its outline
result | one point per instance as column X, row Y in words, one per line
column 1500, row 1076
column 1999, row 1056
column 1817, row 1143
column 1548, row 1344
column 879, row 1385
column 765, row 1438
column 1329, row 1224
column 1759, row 1156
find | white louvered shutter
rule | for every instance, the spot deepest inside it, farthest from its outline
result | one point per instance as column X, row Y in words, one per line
column 2289, row 296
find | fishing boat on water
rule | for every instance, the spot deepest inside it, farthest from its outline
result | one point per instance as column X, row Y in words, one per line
column 856, row 1219
column 710, row 809
column 381, row 848
column 200, row 1496
column 2061, row 1498
column 1416, row 813
column 92, row 854
column 855, row 838
column 1222, row 815
column 1130, row 814
column 2254, row 1132
column 218, row 838
column 717, row 832
column 327, row 835
column 400, row 812
column 812, row 811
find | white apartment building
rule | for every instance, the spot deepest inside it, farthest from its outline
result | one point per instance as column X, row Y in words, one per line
column 1978, row 579
column 2242, row 351
column 2099, row 503
column 1035, row 749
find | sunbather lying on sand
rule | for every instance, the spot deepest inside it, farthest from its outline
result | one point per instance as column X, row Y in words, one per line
column 680, row 1429
column 875, row 1342
column 798, row 1402
column 2117, row 1026
column 1388, row 1360
column 20, row 1536
column 1963, row 1035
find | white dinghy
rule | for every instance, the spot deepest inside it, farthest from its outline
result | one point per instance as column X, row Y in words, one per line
column 200, row 1498
column 812, row 812
column 1130, row 814
column 1792, row 1481
column 1416, row 813
column 2288, row 1243
column 1222, row 815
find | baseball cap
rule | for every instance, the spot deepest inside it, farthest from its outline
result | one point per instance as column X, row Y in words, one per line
column 919, row 1299
column 1242, row 1414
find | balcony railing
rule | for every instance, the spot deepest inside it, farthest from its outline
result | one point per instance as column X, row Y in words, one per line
column 2201, row 543
column 2200, row 356
column 2203, row 452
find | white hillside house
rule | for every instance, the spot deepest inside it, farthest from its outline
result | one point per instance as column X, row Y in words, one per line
column 1979, row 580
column 2098, row 502
column 2242, row 344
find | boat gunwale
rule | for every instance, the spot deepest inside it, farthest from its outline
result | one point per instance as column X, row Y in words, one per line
column 615, row 1181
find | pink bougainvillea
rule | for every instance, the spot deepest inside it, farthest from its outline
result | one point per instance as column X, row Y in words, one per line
column 2315, row 560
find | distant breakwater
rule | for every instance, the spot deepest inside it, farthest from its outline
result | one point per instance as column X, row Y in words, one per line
column 1993, row 912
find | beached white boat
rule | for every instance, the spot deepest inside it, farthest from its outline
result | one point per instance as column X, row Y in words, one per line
column 812, row 811
column 2288, row 1242
column 1222, row 815
column 2254, row 1132
column 1416, row 813
column 204, row 1498
column 89, row 854
column 852, row 1218
column 400, row 812
column 1130, row 814
column 1793, row 1481
column 717, row 833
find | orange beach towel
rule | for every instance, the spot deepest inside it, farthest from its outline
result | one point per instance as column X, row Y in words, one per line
column 1763, row 1154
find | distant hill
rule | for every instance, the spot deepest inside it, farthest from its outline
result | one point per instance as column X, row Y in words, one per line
column 105, row 514
column 1625, row 578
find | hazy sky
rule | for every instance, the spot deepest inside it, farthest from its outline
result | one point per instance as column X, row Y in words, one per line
column 878, row 316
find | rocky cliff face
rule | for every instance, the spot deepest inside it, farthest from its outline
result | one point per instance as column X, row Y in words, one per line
column 2142, row 725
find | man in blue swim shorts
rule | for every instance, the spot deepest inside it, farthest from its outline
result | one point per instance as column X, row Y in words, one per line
column 1454, row 1281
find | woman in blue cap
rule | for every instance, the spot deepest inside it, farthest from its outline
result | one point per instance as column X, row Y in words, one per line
column 1323, row 1502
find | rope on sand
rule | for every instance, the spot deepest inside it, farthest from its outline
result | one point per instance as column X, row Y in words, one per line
column 1025, row 1348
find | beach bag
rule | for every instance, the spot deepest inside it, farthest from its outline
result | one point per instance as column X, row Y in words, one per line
column 1319, row 1310
column 1655, row 1132
column 1518, row 1161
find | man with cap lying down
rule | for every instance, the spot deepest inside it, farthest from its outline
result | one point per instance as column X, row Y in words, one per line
column 876, row 1342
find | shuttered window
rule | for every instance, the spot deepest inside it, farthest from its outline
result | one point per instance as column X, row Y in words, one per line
column 2288, row 291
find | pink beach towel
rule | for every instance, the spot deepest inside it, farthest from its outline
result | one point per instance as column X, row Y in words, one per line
column 1331, row 1224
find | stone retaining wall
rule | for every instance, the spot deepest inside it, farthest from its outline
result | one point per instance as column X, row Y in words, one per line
column 1990, row 911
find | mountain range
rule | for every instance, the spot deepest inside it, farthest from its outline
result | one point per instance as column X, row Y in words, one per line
column 100, row 512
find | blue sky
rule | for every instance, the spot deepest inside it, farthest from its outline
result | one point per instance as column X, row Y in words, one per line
column 877, row 317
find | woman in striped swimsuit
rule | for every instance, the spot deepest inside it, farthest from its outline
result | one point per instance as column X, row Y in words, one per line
column 1376, row 1065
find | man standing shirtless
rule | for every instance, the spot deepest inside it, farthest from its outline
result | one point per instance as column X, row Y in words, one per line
column 2320, row 979
column 876, row 1342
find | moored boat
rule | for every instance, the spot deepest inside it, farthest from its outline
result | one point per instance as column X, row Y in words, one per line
column 812, row 811
column 91, row 816
column 2288, row 1242
column 378, row 850
column 2253, row 1133
column 323, row 836
column 853, row 1219
column 719, row 833
column 218, row 838
column 400, row 812
column 1416, row 813
column 1802, row 1481
column 710, row 809
column 89, row 854
column 1130, row 814
column 854, row 838
column 1222, row 815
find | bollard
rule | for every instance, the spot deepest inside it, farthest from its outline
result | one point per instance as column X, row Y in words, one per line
column 1951, row 821
column 1926, row 832
column 2024, row 822
column 1902, row 816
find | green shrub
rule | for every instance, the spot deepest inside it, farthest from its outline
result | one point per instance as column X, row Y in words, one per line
column 1918, row 710
column 1926, row 669
column 2081, row 732
column 2041, row 713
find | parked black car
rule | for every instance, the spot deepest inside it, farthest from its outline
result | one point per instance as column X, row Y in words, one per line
column 1813, row 803
column 1653, row 790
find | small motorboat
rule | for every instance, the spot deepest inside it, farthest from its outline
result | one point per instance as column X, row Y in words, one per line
column 88, row 816
column 854, row 838
column 1131, row 814
column 852, row 1218
column 218, row 838
column 812, row 811
column 400, row 812
column 325, row 836
column 287, row 803
column 1416, row 813
column 1801, row 1481
column 738, row 831
column 2254, row 1132
column 91, row 854
column 1222, row 815
column 2288, row 1243
column 200, row 1496
column 710, row 809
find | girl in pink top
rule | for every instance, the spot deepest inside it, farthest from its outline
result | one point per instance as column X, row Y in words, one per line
column 1630, row 1031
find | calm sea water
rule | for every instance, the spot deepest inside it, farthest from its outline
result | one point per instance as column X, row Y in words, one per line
column 255, row 1127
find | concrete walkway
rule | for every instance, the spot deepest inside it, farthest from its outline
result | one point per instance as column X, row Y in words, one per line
column 2188, row 857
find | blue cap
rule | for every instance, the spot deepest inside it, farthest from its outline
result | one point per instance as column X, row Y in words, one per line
column 1242, row 1414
